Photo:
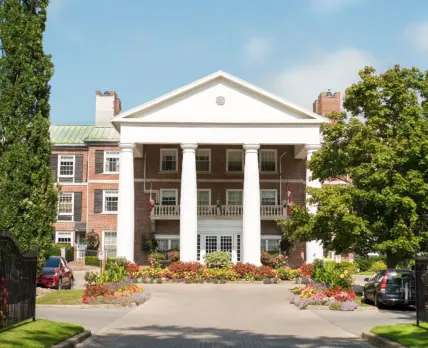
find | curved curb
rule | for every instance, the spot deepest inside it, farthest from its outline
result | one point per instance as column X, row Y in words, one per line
column 73, row 341
column 85, row 306
column 379, row 341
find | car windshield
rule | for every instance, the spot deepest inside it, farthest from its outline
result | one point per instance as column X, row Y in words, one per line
column 52, row 262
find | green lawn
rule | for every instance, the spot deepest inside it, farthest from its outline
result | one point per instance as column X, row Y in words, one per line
column 38, row 334
column 407, row 334
column 65, row 297
column 368, row 273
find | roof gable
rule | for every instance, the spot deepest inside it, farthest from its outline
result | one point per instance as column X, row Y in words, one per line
column 198, row 102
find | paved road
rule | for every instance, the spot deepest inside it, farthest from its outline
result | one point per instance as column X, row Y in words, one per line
column 229, row 315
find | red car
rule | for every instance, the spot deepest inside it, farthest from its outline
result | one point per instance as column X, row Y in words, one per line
column 56, row 274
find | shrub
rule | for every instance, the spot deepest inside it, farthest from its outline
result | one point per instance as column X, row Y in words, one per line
column 244, row 268
column 119, row 261
column 349, row 266
column 335, row 305
column 92, row 240
column 266, row 258
column 155, row 259
column 218, row 259
column 364, row 263
column 92, row 261
column 264, row 272
column 279, row 261
column 180, row 269
column 91, row 277
column 173, row 255
column 378, row 266
column 132, row 269
column 285, row 273
column 307, row 269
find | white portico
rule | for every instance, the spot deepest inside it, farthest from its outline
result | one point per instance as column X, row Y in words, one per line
column 216, row 110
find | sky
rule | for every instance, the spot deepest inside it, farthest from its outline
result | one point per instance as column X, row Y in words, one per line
column 294, row 48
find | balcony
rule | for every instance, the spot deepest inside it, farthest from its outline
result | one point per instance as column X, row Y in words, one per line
column 172, row 212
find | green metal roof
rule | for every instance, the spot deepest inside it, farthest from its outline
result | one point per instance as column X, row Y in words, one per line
column 78, row 134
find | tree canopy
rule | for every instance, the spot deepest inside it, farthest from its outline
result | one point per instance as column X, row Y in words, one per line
column 28, row 198
column 379, row 147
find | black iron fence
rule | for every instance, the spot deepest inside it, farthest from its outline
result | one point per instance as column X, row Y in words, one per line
column 18, row 274
column 421, row 274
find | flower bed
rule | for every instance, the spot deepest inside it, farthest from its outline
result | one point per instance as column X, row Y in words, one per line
column 195, row 272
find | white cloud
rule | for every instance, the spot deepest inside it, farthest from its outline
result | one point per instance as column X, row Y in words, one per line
column 336, row 71
column 329, row 5
column 257, row 49
column 417, row 34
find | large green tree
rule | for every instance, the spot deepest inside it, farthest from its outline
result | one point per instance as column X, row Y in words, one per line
column 28, row 197
column 379, row 147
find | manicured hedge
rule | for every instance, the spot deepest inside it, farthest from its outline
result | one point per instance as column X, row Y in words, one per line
column 365, row 263
column 92, row 261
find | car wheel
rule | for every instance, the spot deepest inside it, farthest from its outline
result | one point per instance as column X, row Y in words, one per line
column 376, row 302
column 364, row 298
column 60, row 284
column 71, row 283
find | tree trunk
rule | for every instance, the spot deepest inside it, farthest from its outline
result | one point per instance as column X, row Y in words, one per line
column 392, row 260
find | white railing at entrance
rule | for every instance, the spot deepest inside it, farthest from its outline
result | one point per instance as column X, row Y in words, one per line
column 173, row 211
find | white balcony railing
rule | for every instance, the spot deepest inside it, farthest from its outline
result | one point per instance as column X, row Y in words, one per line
column 173, row 211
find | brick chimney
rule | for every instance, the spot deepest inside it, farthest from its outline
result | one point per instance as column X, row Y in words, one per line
column 107, row 105
column 327, row 103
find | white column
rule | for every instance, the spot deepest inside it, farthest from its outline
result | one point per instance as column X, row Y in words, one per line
column 188, row 205
column 314, row 249
column 251, row 206
column 125, row 214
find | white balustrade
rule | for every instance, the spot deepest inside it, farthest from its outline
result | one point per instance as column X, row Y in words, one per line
column 160, row 211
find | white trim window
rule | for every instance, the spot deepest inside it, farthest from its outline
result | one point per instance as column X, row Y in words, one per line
column 234, row 160
column 271, row 244
column 65, row 206
column 268, row 161
column 66, row 168
column 169, row 158
column 110, row 243
column 268, row 197
column 233, row 197
column 203, row 160
column 169, row 196
column 111, row 162
column 204, row 197
column 64, row 237
column 167, row 243
column 110, row 201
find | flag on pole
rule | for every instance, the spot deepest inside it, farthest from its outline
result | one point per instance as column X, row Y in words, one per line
column 151, row 201
column 289, row 200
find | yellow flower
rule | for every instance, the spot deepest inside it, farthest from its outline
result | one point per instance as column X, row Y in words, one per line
column 342, row 276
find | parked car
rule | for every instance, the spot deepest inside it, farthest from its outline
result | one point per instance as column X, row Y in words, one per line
column 56, row 274
column 393, row 287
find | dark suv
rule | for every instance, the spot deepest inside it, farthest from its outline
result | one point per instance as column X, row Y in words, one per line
column 391, row 287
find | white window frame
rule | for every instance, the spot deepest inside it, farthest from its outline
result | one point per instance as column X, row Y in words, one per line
column 209, row 161
column 209, row 195
column 227, row 160
column 59, row 175
column 168, row 237
column 117, row 155
column 276, row 160
column 72, row 207
column 104, row 201
column 161, row 160
column 176, row 196
column 234, row 190
column 71, row 238
column 265, row 237
column 269, row 190
column 103, row 244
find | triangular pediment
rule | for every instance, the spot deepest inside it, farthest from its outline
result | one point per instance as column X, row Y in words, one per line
column 219, row 98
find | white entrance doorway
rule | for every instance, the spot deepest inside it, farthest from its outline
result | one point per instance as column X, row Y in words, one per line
column 219, row 235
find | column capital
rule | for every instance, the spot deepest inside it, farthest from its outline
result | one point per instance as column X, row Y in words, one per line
column 312, row 147
column 189, row 147
column 127, row 146
column 251, row 147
